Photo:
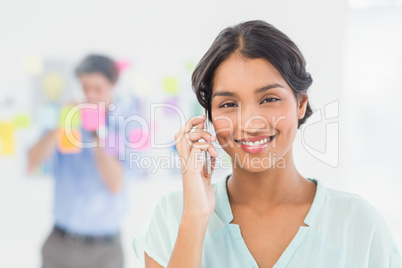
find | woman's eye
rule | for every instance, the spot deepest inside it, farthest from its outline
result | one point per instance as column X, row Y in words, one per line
column 270, row 100
column 227, row 105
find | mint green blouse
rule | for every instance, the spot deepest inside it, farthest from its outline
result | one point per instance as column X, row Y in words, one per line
column 343, row 230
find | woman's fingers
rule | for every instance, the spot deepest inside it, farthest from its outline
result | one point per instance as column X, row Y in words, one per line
column 180, row 138
column 196, row 136
column 195, row 160
column 195, row 121
column 189, row 146
column 205, row 146
column 185, row 138
column 204, row 170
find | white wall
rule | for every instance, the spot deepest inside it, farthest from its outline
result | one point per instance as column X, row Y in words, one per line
column 160, row 36
column 370, row 118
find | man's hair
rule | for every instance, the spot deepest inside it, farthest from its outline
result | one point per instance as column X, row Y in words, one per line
column 98, row 64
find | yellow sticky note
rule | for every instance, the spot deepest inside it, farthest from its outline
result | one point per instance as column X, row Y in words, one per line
column 69, row 142
column 6, row 138
column 171, row 85
column 22, row 120
column 53, row 84
column 33, row 64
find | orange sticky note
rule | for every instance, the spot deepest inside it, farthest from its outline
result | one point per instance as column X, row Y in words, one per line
column 69, row 143
column 6, row 138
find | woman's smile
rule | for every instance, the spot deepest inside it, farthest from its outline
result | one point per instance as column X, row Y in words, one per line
column 255, row 145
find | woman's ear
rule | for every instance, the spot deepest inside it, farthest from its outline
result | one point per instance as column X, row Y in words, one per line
column 302, row 101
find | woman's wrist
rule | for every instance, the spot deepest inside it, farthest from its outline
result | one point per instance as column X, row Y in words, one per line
column 187, row 251
column 197, row 221
column 193, row 227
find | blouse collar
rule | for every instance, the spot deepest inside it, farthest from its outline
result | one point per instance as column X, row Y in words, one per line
column 225, row 212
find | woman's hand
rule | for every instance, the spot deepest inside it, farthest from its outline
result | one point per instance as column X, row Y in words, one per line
column 198, row 193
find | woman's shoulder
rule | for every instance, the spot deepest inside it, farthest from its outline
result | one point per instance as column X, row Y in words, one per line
column 351, row 224
column 169, row 204
column 348, row 213
column 349, row 204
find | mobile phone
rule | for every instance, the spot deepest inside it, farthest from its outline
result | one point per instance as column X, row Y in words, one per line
column 207, row 156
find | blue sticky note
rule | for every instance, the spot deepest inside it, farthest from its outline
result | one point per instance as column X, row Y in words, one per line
column 48, row 116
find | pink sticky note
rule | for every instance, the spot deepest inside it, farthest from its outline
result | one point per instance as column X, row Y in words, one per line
column 122, row 65
column 93, row 118
column 139, row 139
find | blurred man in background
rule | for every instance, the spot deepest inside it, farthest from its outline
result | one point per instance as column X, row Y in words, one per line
column 90, row 196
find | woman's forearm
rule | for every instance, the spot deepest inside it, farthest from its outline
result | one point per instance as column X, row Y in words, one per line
column 187, row 251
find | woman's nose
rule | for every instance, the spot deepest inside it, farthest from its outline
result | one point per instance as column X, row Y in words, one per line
column 254, row 125
column 252, row 121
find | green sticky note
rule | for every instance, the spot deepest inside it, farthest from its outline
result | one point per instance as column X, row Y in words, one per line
column 171, row 85
column 70, row 117
column 6, row 138
column 197, row 109
column 22, row 121
column 190, row 66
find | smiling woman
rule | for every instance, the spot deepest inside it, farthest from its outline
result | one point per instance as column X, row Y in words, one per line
column 255, row 93
column 254, row 84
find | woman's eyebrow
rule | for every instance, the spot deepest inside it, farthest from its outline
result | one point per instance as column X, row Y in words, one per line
column 224, row 94
column 263, row 89
column 257, row 91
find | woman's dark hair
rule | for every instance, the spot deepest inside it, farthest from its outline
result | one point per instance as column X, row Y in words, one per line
column 252, row 40
column 98, row 64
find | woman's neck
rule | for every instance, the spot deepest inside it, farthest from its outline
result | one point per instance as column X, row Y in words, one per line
column 269, row 188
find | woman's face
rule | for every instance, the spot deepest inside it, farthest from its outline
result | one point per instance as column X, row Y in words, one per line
column 254, row 113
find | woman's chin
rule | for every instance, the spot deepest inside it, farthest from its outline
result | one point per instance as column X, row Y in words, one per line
column 255, row 164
